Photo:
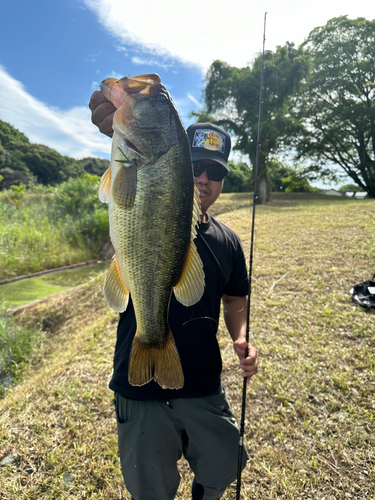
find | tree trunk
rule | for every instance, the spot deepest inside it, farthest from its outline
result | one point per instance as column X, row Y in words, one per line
column 264, row 189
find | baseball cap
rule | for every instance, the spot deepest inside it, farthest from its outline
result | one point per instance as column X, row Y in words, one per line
column 209, row 142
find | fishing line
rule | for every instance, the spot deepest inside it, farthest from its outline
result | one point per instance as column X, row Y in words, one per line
column 212, row 253
column 242, row 423
column 200, row 317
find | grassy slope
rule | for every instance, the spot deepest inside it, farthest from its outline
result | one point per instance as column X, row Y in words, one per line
column 310, row 413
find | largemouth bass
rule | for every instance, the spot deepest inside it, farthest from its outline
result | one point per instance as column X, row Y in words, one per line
column 153, row 212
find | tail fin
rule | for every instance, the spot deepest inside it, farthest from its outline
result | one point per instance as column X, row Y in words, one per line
column 160, row 363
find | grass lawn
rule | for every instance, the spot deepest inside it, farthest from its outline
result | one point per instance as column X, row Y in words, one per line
column 310, row 410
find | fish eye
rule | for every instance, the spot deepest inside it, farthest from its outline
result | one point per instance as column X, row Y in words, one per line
column 161, row 98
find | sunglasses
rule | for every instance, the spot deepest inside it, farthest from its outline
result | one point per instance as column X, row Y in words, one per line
column 215, row 171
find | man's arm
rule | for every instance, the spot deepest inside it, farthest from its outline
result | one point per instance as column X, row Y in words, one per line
column 235, row 310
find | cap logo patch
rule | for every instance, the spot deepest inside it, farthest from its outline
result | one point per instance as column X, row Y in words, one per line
column 209, row 139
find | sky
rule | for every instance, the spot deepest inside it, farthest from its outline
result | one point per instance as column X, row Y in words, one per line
column 54, row 54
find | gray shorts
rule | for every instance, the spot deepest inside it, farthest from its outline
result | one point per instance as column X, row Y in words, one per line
column 153, row 435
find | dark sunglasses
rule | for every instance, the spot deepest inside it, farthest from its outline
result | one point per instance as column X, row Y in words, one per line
column 215, row 171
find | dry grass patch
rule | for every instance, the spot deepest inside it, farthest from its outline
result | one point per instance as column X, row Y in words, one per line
column 311, row 408
column 59, row 423
column 310, row 413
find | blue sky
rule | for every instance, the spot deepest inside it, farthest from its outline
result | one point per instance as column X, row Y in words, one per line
column 54, row 53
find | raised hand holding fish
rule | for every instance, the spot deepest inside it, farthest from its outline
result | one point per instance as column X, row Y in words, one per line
column 102, row 113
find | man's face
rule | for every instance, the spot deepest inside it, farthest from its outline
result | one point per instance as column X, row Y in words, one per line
column 209, row 191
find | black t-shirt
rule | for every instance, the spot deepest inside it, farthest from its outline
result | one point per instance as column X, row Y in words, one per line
column 194, row 328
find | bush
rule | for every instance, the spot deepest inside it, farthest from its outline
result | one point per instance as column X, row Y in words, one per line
column 237, row 179
column 297, row 184
column 85, row 217
column 278, row 171
column 44, row 227
column 349, row 188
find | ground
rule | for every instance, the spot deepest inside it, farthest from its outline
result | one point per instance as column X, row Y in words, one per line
column 310, row 410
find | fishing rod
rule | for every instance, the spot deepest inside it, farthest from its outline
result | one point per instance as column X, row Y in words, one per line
column 242, row 423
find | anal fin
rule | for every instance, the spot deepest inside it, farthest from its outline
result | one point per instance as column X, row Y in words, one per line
column 115, row 292
column 160, row 363
column 124, row 186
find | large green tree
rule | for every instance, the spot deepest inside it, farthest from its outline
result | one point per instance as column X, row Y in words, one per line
column 232, row 100
column 337, row 103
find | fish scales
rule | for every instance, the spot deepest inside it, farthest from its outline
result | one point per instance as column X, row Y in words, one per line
column 153, row 210
column 155, row 249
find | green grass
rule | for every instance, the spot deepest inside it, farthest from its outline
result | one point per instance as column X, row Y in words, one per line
column 46, row 228
column 16, row 345
column 310, row 409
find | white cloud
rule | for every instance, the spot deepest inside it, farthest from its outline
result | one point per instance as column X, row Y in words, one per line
column 69, row 132
column 197, row 32
column 151, row 62
column 194, row 100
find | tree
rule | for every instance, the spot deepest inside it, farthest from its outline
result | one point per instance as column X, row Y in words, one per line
column 278, row 171
column 47, row 165
column 9, row 135
column 349, row 188
column 94, row 166
column 11, row 177
column 336, row 105
column 24, row 162
column 238, row 178
column 295, row 183
column 232, row 100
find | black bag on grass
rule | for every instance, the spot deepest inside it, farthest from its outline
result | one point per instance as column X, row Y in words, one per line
column 364, row 293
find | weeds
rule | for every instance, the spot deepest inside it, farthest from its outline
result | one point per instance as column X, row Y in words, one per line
column 51, row 227
column 16, row 344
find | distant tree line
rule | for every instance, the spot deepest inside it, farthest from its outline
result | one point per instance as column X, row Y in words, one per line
column 282, row 178
column 318, row 104
column 22, row 162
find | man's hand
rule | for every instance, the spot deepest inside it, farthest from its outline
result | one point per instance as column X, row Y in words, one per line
column 249, row 365
column 235, row 311
column 102, row 112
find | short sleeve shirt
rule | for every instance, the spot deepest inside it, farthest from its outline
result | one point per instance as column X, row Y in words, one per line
column 194, row 328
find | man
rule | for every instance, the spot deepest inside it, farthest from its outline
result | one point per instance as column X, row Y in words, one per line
column 157, row 426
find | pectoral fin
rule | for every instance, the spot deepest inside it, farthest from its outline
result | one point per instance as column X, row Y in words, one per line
column 190, row 288
column 125, row 186
column 115, row 292
column 105, row 186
